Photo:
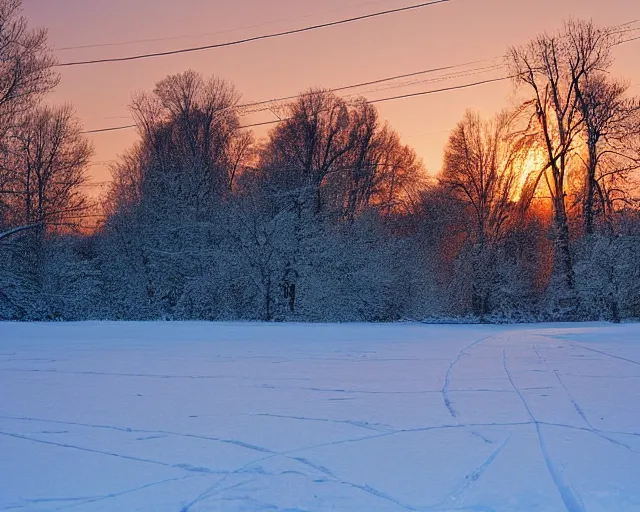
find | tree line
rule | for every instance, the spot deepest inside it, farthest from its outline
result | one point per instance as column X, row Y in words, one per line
column 534, row 215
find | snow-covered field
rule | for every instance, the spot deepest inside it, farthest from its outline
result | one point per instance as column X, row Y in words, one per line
column 365, row 418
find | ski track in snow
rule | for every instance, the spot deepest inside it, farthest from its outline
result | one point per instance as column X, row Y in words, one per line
column 212, row 424
column 571, row 500
column 602, row 352
column 447, row 378
column 584, row 416
column 457, row 496
column 447, row 383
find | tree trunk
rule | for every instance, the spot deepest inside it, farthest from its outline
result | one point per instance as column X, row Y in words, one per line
column 588, row 213
column 267, row 301
column 564, row 300
column 563, row 265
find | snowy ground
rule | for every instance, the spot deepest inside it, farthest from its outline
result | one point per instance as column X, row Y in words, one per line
column 229, row 418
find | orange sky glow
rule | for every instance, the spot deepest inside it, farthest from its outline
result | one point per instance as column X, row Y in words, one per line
column 450, row 33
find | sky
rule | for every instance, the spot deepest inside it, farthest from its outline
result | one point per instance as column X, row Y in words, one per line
column 451, row 33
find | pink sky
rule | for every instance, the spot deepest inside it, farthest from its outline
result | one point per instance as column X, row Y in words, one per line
column 450, row 33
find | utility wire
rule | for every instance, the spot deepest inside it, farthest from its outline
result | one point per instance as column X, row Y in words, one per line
column 374, row 82
column 337, row 89
column 114, row 129
column 403, row 96
column 628, row 40
column 362, row 84
column 256, row 38
column 206, row 34
column 408, row 75
column 445, row 89
column 371, row 102
column 414, row 82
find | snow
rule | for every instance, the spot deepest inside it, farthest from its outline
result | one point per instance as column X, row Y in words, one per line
column 273, row 417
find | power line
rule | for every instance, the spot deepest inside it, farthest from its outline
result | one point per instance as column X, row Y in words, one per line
column 414, row 82
column 114, row 129
column 628, row 30
column 629, row 40
column 362, row 84
column 371, row 102
column 257, row 38
column 444, row 89
column 196, row 36
column 265, row 123
column 374, row 82
column 404, row 96
column 337, row 89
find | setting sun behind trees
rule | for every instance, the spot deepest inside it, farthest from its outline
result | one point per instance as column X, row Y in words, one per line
column 532, row 165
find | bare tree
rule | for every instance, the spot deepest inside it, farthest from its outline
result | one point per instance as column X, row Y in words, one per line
column 602, row 104
column 241, row 154
column 26, row 70
column 612, row 131
column 362, row 166
column 553, row 68
column 310, row 146
column 26, row 73
column 191, row 144
column 603, row 107
column 48, row 158
column 480, row 169
column 481, row 172
column 127, row 174
column 171, row 189
column 338, row 158
column 395, row 175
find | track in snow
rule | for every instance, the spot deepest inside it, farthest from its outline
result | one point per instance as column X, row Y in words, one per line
column 304, row 418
